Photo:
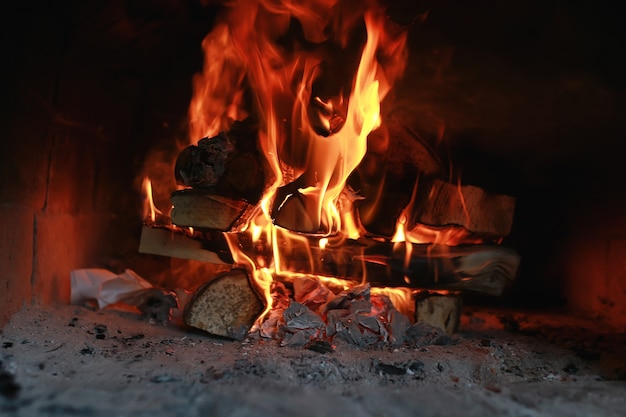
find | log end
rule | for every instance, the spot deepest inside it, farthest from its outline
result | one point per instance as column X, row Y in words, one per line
column 226, row 306
column 440, row 311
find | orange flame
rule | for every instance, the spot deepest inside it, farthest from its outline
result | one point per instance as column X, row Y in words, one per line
column 245, row 51
column 149, row 209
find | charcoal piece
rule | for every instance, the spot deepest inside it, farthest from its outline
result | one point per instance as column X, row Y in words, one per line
column 348, row 330
column 410, row 367
column 397, row 326
column 345, row 298
column 206, row 162
column 371, row 323
column 87, row 351
column 301, row 325
column 9, row 388
column 297, row 339
column 299, row 317
column 423, row 334
column 320, row 346
column 153, row 303
column 333, row 318
column 228, row 164
column 100, row 331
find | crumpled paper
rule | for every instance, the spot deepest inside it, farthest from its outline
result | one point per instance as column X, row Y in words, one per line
column 104, row 286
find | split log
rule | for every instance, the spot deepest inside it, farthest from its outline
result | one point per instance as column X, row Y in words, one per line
column 175, row 244
column 440, row 203
column 442, row 311
column 226, row 306
column 208, row 211
column 487, row 269
column 396, row 159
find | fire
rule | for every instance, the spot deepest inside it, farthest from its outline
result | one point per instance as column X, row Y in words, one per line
column 312, row 139
column 244, row 51
column 149, row 209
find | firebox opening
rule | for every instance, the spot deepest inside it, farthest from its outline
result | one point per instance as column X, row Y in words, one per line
column 517, row 98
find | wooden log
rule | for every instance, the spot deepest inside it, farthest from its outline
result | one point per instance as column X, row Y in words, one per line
column 226, row 306
column 174, row 243
column 487, row 269
column 198, row 209
column 396, row 159
column 442, row 311
column 439, row 203
column 228, row 164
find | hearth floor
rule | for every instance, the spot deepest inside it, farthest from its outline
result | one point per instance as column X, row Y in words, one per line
column 69, row 360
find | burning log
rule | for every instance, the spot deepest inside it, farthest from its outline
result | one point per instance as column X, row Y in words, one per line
column 442, row 311
column 443, row 204
column 485, row 269
column 225, row 306
column 193, row 208
column 228, row 164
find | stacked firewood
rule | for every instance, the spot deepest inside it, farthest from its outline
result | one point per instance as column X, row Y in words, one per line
column 226, row 176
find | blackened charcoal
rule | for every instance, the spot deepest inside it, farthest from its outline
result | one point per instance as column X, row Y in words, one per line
column 299, row 317
column 9, row 388
column 422, row 334
column 320, row 346
column 410, row 367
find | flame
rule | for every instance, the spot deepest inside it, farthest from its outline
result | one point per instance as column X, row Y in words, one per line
column 424, row 234
column 149, row 209
column 250, row 69
column 401, row 298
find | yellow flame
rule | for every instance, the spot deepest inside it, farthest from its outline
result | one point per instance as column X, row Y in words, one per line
column 401, row 298
column 242, row 52
column 149, row 209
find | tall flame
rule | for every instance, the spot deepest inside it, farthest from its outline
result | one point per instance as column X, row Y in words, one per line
column 246, row 55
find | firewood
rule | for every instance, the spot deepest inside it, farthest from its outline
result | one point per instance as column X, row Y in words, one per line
column 440, row 203
column 486, row 269
column 228, row 164
column 168, row 242
column 442, row 311
column 208, row 211
column 225, row 306
column 396, row 159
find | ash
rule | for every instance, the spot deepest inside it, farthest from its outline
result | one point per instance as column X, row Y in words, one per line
column 69, row 360
column 353, row 316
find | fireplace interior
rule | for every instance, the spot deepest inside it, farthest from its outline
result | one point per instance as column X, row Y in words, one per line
column 522, row 98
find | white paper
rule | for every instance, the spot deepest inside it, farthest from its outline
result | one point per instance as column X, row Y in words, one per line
column 104, row 286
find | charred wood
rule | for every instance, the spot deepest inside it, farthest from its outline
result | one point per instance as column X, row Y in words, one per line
column 228, row 164
column 487, row 269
